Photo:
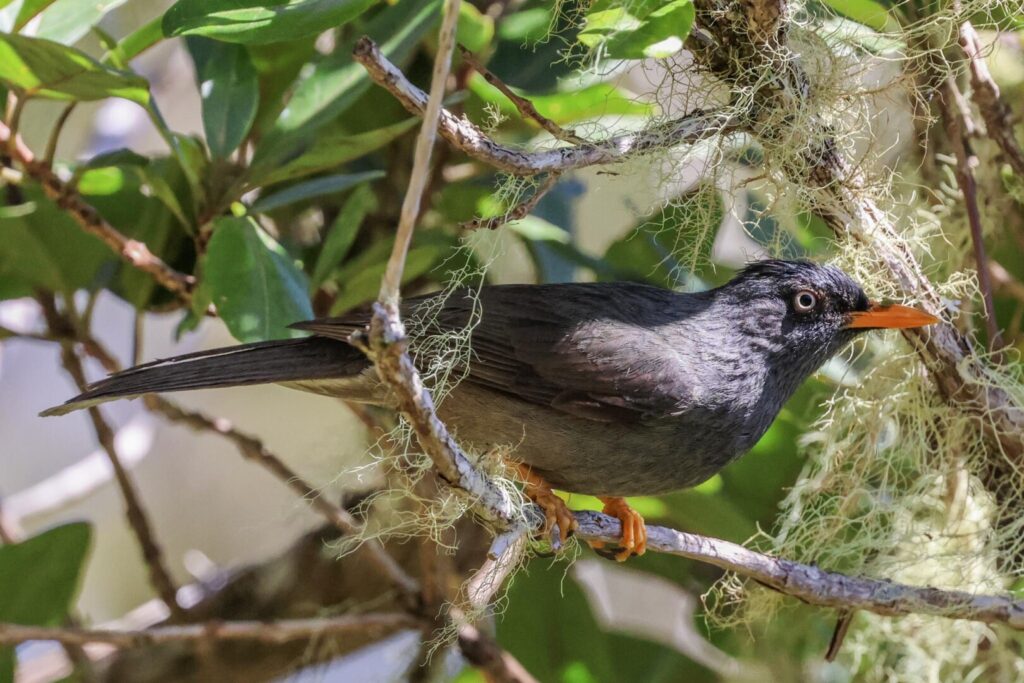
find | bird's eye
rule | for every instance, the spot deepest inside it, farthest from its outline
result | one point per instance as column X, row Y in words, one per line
column 805, row 301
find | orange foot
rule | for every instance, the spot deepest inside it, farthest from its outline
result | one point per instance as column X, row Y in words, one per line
column 555, row 510
column 634, row 533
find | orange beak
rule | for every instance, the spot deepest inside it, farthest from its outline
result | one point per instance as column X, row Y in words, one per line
column 890, row 316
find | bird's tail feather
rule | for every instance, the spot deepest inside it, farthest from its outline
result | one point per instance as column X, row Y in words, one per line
column 286, row 360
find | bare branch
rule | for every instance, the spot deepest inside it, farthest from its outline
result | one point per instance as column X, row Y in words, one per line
column 483, row 652
column 464, row 135
column 814, row 585
column 254, row 450
column 271, row 632
column 138, row 519
column 985, row 93
column 133, row 251
column 525, row 106
column 958, row 124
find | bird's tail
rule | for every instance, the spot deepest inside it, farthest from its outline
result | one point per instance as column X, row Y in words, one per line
column 286, row 360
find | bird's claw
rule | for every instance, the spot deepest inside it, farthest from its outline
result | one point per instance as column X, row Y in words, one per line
column 556, row 512
column 634, row 532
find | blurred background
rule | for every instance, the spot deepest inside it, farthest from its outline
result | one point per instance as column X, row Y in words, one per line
column 683, row 218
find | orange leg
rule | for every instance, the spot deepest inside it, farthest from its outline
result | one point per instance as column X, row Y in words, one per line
column 555, row 509
column 634, row 533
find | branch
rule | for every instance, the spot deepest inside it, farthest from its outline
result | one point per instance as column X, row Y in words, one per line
column 814, row 585
column 254, row 450
column 985, row 93
column 958, row 123
column 138, row 519
column 271, row 632
column 525, row 106
column 385, row 343
column 464, row 135
column 132, row 251
column 519, row 211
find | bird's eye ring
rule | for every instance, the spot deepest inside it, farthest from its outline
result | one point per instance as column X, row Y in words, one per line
column 805, row 301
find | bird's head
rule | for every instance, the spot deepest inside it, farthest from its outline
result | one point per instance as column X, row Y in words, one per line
column 805, row 312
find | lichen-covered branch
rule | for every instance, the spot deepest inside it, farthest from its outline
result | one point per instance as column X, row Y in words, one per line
column 386, row 344
column 132, row 251
column 462, row 134
column 985, row 93
column 814, row 585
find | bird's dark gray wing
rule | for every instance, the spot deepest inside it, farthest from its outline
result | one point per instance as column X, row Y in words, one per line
column 584, row 349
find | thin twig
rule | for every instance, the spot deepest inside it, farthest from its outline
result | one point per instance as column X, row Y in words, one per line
column 814, row 585
column 254, row 450
column 271, row 632
column 525, row 106
column 958, row 123
column 985, row 93
column 51, row 144
column 696, row 126
column 518, row 212
column 133, row 251
column 138, row 519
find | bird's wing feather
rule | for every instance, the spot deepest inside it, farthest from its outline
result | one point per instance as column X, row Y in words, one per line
column 585, row 349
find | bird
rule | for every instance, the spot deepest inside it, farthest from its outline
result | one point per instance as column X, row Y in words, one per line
column 612, row 389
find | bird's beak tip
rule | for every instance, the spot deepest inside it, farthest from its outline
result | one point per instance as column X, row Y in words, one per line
column 893, row 317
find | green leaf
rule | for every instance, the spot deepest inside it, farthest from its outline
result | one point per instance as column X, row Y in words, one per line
column 66, row 21
column 599, row 99
column 328, row 151
column 40, row 577
column 475, row 29
column 230, row 91
column 359, row 279
column 338, row 81
column 259, row 21
column 527, row 25
column 313, row 188
column 647, row 30
column 45, row 248
column 42, row 68
column 867, row 12
column 16, row 14
column 255, row 284
column 342, row 233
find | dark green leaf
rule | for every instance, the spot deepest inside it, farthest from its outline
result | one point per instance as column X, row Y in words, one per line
column 40, row 577
column 46, row 248
column 313, row 188
column 255, row 284
column 342, row 233
column 65, row 21
column 648, row 29
column 230, row 91
column 329, row 151
column 259, row 21
column 42, row 68
column 338, row 81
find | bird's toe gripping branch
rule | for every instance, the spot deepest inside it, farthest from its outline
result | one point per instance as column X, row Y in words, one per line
column 634, row 531
column 555, row 509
